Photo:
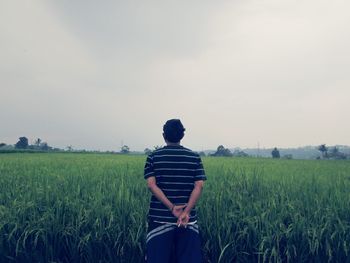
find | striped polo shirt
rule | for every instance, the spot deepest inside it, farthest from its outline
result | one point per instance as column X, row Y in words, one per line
column 176, row 169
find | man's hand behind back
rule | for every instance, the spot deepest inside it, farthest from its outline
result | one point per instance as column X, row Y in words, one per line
column 183, row 219
column 177, row 210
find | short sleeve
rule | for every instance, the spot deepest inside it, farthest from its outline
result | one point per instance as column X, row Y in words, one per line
column 149, row 170
column 199, row 171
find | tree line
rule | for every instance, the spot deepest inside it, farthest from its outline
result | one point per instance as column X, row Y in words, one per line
column 221, row 151
column 23, row 144
column 330, row 153
column 326, row 153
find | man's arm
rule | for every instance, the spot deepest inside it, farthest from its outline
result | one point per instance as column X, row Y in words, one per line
column 196, row 193
column 158, row 193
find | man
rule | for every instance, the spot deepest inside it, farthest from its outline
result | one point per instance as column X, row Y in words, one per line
column 175, row 176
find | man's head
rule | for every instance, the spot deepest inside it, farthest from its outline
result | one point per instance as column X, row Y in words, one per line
column 173, row 131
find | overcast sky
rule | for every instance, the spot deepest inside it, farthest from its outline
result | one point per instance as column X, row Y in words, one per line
column 94, row 74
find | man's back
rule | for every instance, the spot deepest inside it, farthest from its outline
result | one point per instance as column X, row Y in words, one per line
column 175, row 168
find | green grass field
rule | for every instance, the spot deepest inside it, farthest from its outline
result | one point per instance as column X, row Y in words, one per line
column 92, row 208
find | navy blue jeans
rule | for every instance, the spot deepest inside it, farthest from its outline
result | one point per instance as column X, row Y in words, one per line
column 168, row 243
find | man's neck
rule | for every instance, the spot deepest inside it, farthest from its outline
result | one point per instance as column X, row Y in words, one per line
column 172, row 144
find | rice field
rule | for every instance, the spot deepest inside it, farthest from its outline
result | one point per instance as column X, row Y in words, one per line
column 92, row 208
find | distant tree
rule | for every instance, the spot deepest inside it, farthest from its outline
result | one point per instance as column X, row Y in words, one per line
column 220, row 148
column 22, row 143
column 37, row 142
column 2, row 144
column 275, row 153
column 148, row 151
column 32, row 147
column 324, row 150
column 125, row 149
column 334, row 151
column 222, row 151
column 57, row 149
column 69, row 148
column 239, row 153
column 288, row 156
column 44, row 146
column 336, row 154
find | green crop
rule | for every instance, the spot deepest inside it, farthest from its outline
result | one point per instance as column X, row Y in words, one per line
column 93, row 208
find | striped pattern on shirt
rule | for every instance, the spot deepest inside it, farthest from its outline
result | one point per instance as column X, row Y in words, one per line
column 176, row 169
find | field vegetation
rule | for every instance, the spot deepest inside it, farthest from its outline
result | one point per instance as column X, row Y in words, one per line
column 65, row 207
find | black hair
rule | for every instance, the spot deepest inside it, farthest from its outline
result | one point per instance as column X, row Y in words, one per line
column 173, row 130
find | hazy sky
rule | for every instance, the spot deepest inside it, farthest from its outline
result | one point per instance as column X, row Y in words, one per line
column 93, row 74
